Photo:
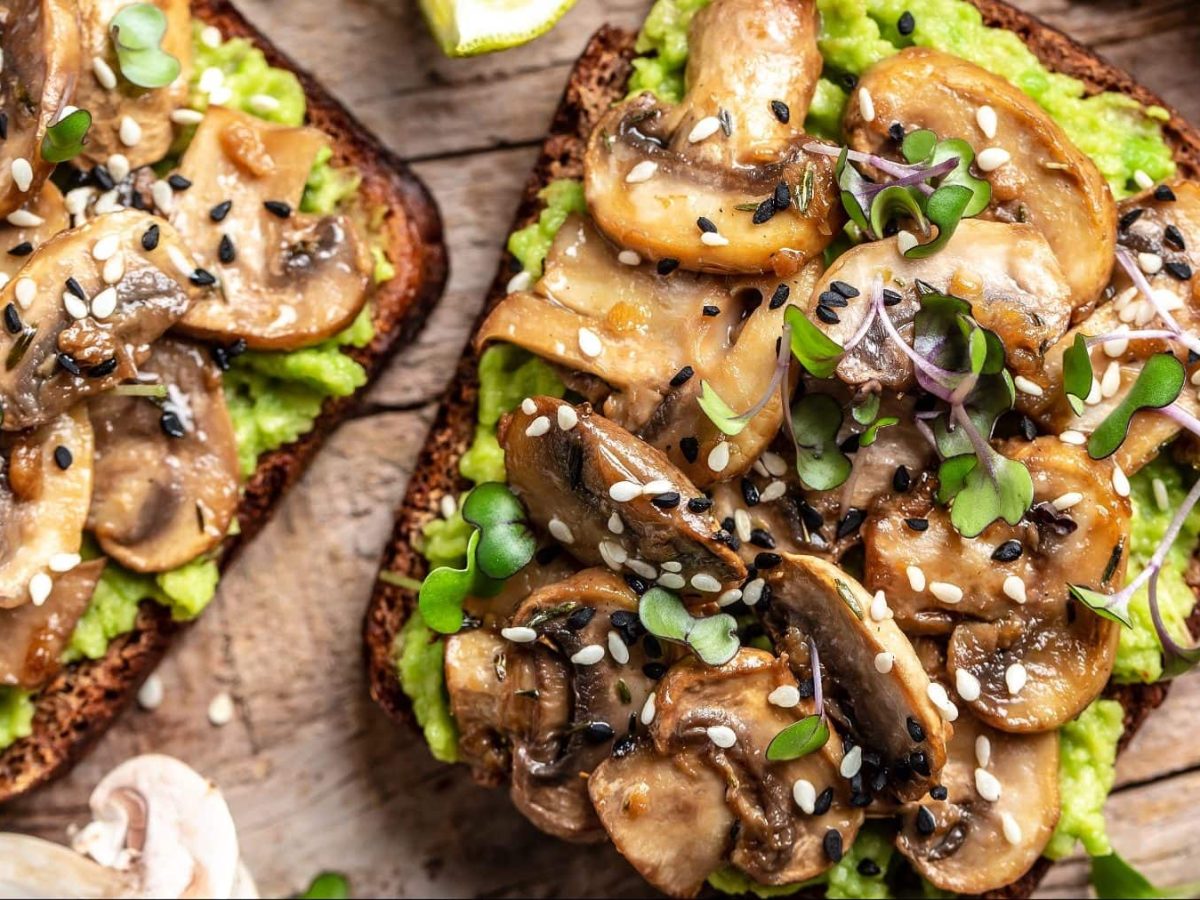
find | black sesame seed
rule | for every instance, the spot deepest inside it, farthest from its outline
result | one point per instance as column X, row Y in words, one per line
column 699, row 504
column 850, row 523
column 726, row 121
column 202, row 278
column 783, row 197
column 637, row 585
column 915, row 729
column 765, row 560
column 750, row 492
column 879, row 780
column 1193, row 357
column 760, row 537
column 919, row 762
column 178, row 182
column 833, row 299
column 939, row 792
column 598, row 732
column 813, row 520
column 150, row 238
column 846, row 290
column 225, row 250
column 22, row 249
column 669, row 500
column 832, row 845
column 1180, row 270
column 579, row 618
column 824, row 801
column 666, row 266
column 12, row 319
column 779, row 297
column 1007, row 552
column 906, row 23
column 683, row 376
column 926, row 824
column 806, row 688
column 850, row 444
column 651, row 647
column 706, row 225
column 1164, row 194
column 277, row 208
column 136, row 201
column 890, row 297
column 103, row 178
column 104, row 369
column 63, row 457
column 1173, row 236
column 220, row 211
column 68, row 364
column 901, row 480
column 654, row 670
column 76, row 288
column 710, row 311
column 764, row 211
column 690, row 448
column 1028, row 428
column 827, row 315
column 896, row 132
column 3, row 126
column 622, row 618
column 624, row 746
column 868, row 868
column 781, row 111
column 1129, row 218
column 171, row 424
column 849, row 80
column 917, row 524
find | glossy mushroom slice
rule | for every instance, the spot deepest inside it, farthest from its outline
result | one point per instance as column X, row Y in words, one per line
column 286, row 279
column 166, row 468
column 613, row 500
column 39, row 43
column 701, row 790
column 1007, row 272
column 1001, row 807
column 33, row 638
column 1037, row 174
column 47, row 216
column 648, row 341
column 575, row 679
column 80, row 315
column 871, row 672
column 45, row 486
column 113, row 100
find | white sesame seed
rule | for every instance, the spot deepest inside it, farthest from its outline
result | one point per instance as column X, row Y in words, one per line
column 39, row 588
column 263, row 103
column 161, row 194
column 210, row 36
column 1010, row 827
column 946, row 592
column 702, row 581
column 615, row 525
column 1014, row 588
column 567, row 417
column 916, row 578
column 742, row 525
column 1161, row 498
column 643, row 171
column 1095, row 395
column 1120, row 481
column 23, row 218
column 130, row 132
column 785, row 696
column 992, row 158
column 718, row 457
column 26, row 291
column 967, row 685
column 104, row 73
column 905, row 240
column 76, row 200
column 1150, row 263
column 805, row 795
column 150, row 694
column 985, row 118
column 220, row 710
column 613, row 554
column 629, row 258
column 617, row 649
column 5, row 278
column 704, row 129
column 211, row 79
column 1015, row 677
column 1195, row 379
column 1129, row 313
column 938, row 696
column 648, row 710
column 1111, row 382
column 538, row 427
column 560, row 531
column 519, row 282
column 589, row 342
column 64, row 562
column 729, row 597
column 722, row 735
column 866, row 105
column 448, row 505
column 1123, row 299
column 852, row 762
column 1144, row 313
column 759, row 468
column 103, row 249
column 672, row 581
column 884, row 662
column 588, row 656
column 983, row 750
column 642, row 568
column 528, row 406
column 1067, row 500
column 1025, row 386
column 518, row 634
column 879, row 607
column 75, row 307
column 753, row 591
column 775, row 464
column 772, row 492
column 656, row 487
column 118, row 166
column 713, row 239
column 672, row 565
column 1074, row 438
column 114, row 269
column 109, row 201
column 22, row 173
column 987, row 785
column 187, row 117
column 1142, row 180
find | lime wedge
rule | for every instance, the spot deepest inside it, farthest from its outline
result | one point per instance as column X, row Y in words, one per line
column 471, row 27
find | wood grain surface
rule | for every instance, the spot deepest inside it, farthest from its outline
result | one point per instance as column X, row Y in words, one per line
column 315, row 775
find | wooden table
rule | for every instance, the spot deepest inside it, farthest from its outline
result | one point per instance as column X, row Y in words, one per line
column 315, row 775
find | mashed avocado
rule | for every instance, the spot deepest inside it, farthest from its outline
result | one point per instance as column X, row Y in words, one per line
column 1086, row 770
column 16, row 715
column 531, row 244
column 418, row 653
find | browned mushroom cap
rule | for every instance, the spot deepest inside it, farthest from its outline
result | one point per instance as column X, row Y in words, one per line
column 1007, row 272
column 86, row 323
column 150, row 108
column 970, row 843
column 613, row 500
column 39, row 43
column 649, row 341
column 702, row 791
column 1046, row 180
column 286, row 279
column 652, row 172
column 34, row 637
column 166, row 470
column 570, row 692
column 873, row 675
column 48, row 217
column 43, row 506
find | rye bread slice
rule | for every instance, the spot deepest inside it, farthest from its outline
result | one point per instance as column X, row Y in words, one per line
column 597, row 80
column 84, row 700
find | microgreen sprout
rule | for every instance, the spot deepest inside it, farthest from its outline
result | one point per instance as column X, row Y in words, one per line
column 814, row 422
column 714, row 639
column 64, row 139
column 725, row 417
column 137, row 32
column 1157, row 387
column 810, row 733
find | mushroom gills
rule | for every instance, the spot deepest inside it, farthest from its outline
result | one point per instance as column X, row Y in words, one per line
column 166, row 470
column 285, row 279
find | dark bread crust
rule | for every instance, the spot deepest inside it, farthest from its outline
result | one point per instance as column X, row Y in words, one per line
column 84, row 700
column 598, row 79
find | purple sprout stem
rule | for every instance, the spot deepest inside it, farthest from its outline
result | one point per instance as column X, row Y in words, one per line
column 1143, row 335
column 1171, row 647
column 781, row 367
column 1139, row 279
column 1121, row 599
column 1181, row 417
column 863, row 328
column 936, row 375
column 983, row 451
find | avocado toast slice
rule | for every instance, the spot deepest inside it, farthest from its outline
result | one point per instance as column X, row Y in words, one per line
column 600, row 79
column 82, row 700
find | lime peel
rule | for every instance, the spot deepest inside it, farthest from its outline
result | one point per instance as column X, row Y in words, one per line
column 472, row 27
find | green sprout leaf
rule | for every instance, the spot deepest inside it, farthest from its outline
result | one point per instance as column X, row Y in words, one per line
column 852, row 186
column 720, row 413
column 983, row 491
column 1157, row 385
column 65, row 138
column 714, row 639
column 820, row 463
column 918, row 146
column 992, row 396
column 1099, row 604
column 897, row 201
column 871, row 435
column 137, row 32
column 815, row 350
column 945, row 210
column 1077, row 373
column 327, row 886
column 866, row 409
column 799, row 739
column 981, row 190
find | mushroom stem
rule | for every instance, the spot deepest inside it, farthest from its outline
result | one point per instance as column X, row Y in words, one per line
column 32, row 867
